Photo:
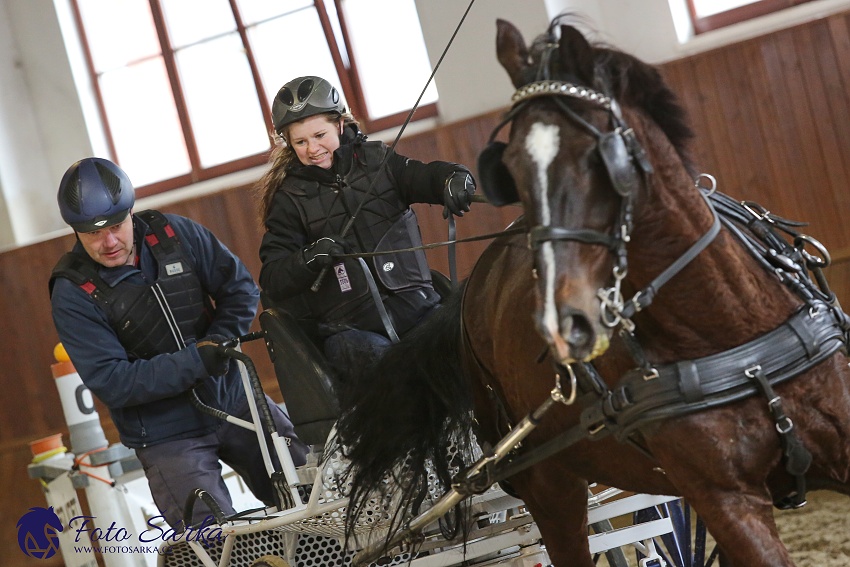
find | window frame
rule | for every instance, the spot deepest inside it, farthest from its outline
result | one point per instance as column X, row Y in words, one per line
column 348, row 76
column 737, row 15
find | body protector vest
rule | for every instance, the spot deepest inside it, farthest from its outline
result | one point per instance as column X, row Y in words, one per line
column 151, row 318
column 384, row 222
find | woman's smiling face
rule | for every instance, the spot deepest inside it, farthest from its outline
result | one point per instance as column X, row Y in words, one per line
column 314, row 139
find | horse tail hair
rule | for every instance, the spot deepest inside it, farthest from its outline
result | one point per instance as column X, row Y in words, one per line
column 410, row 407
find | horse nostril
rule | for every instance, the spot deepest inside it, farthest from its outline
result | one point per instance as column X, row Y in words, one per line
column 581, row 337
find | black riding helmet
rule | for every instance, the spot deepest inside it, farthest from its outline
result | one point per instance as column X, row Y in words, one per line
column 95, row 193
column 304, row 97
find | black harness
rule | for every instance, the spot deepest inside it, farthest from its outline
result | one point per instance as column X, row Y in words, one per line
column 815, row 332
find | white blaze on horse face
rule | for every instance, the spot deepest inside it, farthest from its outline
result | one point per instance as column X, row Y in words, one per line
column 542, row 144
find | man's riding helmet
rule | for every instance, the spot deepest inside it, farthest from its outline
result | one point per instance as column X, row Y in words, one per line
column 95, row 193
column 304, row 97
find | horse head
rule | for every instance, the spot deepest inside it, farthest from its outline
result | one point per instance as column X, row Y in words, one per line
column 578, row 167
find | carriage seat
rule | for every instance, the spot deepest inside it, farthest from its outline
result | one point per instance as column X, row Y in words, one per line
column 304, row 375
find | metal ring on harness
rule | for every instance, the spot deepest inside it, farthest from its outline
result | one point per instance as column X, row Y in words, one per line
column 800, row 242
column 710, row 190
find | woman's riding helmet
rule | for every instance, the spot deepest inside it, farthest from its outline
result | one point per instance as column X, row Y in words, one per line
column 304, row 97
column 95, row 193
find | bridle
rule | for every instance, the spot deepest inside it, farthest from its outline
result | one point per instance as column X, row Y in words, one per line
column 628, row 168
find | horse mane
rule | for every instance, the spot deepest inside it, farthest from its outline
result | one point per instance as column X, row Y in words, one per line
column 627, row 79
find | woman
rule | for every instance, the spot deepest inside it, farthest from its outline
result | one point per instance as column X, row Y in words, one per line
column 323, row 173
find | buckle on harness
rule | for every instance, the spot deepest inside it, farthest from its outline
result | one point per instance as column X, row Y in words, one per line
column 759, row 212
column 787, row 428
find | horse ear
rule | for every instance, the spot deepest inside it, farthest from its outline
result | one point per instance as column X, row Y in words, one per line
column 577, row 53
column 511, row 51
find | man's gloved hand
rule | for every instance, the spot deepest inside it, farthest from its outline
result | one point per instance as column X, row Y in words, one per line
column 457, row 194
column 215, row 363
column 320, row 253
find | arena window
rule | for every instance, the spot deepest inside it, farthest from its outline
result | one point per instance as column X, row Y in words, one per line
column 707, row 15
column 184, row 87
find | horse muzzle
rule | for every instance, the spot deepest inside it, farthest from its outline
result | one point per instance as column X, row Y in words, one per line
column 572, row 337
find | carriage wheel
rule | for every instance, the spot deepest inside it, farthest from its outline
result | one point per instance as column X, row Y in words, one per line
column 270, row 561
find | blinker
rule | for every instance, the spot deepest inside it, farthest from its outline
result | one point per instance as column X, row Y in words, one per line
column 618, row 161
column 496, row 181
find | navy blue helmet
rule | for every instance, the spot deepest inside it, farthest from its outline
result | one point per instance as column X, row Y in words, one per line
column 95, row 193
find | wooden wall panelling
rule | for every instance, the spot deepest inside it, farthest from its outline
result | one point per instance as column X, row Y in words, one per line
column 679, row 78
column 820, row 133
column 801, row 119
column 791, row 176
column 29, row 337
column 733, row 126
column 833, row 51
column 773, row 189
column 738, row 96
column 822, row 78
column 718, row 132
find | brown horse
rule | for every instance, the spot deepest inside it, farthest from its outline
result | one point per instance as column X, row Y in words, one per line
column 597, row 158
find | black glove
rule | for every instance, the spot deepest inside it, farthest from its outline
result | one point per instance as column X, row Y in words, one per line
column 215, row 363
column 321, row 253
column 457, row 194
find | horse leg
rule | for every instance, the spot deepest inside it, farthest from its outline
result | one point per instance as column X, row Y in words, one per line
column 743, row 526
column 729, row 492
column 557, row 501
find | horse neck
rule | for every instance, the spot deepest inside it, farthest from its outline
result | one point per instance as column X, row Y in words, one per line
column 721, row 299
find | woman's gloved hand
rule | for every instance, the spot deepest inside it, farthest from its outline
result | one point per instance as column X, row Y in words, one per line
column 457, row 194
column 321, row 253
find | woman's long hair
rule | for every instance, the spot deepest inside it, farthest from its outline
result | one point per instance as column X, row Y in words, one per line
column 281, row 161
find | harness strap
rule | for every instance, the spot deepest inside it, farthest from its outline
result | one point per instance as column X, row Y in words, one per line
column 807, row 338
column 379, row 303
column 797, row 457
column 539, row 234
column 644, row 297
column 452, row 250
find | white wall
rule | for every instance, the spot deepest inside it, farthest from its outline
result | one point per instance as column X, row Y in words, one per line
column 43, row 129
column 470, row 80
column 23, row 154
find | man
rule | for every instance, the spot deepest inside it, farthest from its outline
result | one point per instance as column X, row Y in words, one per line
column 141, row 304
